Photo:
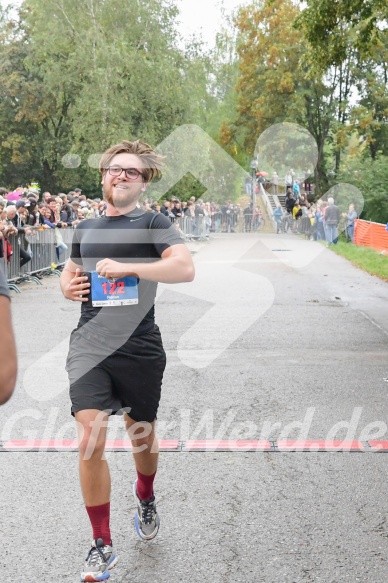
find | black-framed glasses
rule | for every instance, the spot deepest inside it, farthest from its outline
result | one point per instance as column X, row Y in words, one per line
column 130, row 173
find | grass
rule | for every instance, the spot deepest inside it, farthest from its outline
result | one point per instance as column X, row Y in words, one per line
column 366, row 259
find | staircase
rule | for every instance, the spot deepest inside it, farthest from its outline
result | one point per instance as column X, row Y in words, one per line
column 274, row 199
column 271, row 200
column 282, row 200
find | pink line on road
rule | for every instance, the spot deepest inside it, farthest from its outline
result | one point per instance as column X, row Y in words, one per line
column 377, row 445
column 319, row 445
column 227, row 445
column 72, row 445
column 232, row 445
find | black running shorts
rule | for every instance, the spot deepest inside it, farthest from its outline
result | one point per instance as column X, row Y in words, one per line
column 127, row 378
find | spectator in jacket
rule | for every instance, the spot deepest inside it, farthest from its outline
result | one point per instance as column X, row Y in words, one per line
column 18, row 220
column 177, row 209
column 33, row 216
column 165, row 207
column 303, row 201
column 67, row 214
column 350, row 217
column 332, row 218
column 318, row 222
column 54, row 208
column 296, row 215
column 296, row 190
column 290, row 201
column 289, row 179
column 278, row 215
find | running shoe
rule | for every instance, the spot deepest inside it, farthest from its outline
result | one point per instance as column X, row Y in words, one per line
column 147, row 520
column 101, row 558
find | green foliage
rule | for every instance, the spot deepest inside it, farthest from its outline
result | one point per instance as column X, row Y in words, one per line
column 302, row 64
column 331, row 26
column 371, row 177
column 351, row 38
column 269, row 51
column 275, row 84
column 79, row 75
column 187, row 187
column 370, row 117
column 83, row 74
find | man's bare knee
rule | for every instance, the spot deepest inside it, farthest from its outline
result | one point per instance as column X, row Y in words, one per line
column 142, row 435
column 144, row 442
column 91, row 447
column 91, row 435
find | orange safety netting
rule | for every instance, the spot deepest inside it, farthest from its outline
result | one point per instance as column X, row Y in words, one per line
column 371, row 235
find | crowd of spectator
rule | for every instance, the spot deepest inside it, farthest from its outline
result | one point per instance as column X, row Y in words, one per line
column 318, row 221
column 197, row 219
column 24, row 212
column 272, row 183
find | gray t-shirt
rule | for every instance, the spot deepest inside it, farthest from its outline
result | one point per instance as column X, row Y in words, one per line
column 4, row 291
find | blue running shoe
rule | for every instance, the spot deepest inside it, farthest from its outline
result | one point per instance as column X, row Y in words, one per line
column 101, row 558
column 147, row 520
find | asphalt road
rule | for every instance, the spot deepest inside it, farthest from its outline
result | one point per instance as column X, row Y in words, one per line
column 277, row 338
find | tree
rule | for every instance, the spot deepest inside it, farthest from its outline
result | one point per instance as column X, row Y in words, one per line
column 329, row 26
column 370, row 116
column 269, row 51
column 276, row 84
column 371, row 177
column 83, row 74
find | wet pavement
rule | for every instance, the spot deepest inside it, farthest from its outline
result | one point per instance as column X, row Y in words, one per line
column 277, row 339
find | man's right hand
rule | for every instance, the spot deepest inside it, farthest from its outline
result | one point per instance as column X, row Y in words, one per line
column 77, row 288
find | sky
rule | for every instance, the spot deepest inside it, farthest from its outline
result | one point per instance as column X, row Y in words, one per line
column 206, row 19
column 195, row 18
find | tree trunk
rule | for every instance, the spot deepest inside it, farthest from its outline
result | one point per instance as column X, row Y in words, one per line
column 49, row 181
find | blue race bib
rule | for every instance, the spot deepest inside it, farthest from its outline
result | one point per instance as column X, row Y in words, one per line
column 122, row 291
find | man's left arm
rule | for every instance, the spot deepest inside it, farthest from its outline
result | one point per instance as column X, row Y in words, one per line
column 8, row 358
column 174, row 266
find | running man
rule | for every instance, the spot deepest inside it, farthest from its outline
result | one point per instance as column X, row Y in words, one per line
column 116, row 358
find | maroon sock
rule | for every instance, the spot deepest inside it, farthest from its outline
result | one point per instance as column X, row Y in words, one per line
column 145, row 486
column 99, row 517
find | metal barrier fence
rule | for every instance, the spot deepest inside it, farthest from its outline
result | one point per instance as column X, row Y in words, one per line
column 252, row 222
column 199, row 228
column 40, row 253
column 45, row 250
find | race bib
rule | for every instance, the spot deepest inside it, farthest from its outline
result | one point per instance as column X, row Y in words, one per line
column 122, row 291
